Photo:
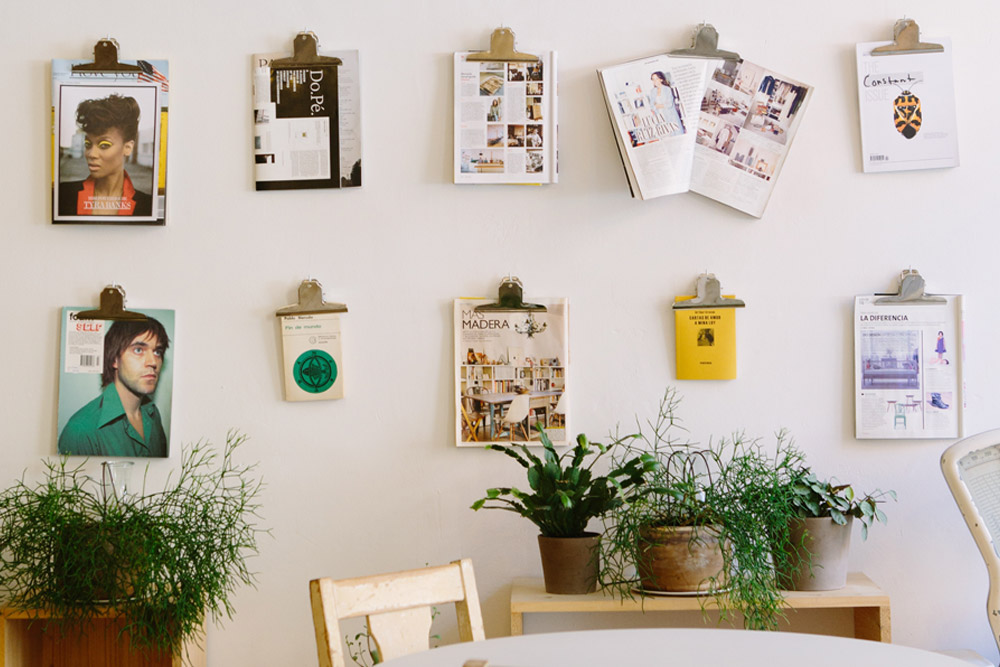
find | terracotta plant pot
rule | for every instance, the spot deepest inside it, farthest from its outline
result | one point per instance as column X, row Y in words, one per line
column 825, row 545
column 570, row 564
column 680, row 559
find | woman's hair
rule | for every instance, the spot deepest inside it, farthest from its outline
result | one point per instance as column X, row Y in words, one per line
column 664, row 79
column 98, row 116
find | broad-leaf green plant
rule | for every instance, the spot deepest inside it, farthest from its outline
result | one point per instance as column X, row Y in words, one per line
column 817, row 498
column 565, row 493
column 164, row 560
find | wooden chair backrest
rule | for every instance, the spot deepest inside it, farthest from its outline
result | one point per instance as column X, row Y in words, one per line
column 397, row 607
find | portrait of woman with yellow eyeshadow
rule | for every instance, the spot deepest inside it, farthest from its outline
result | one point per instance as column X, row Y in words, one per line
column 110, row 126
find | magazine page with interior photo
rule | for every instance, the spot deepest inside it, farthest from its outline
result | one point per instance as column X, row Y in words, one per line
column 109, row 149
column 749, row 117
column 908, row 368
column 907, row 107
column 506, row 121
column 307, row 123
column 653, row 107
column 510, row 373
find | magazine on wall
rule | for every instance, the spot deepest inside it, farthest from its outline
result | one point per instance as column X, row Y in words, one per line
column 510, row 373
column 115, row 385
column 109, row 149
column 749, row 117
column 653, row 107
column 908, row 368
column 307, row 123
column 907, row 107
column 505, row 121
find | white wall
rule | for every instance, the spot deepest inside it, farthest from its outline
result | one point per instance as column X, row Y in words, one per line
column 374, row 482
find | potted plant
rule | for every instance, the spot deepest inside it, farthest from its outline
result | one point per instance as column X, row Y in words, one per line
column 821, row 530
column 564, row 496
column 716, row 512
column 162, row 560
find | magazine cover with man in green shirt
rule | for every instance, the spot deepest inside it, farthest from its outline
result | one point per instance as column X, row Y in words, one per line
column 115, row 385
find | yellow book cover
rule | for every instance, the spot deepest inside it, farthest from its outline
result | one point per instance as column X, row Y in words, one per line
column 706, row 342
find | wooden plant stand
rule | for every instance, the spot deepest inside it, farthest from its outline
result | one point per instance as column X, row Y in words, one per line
column 25, row 642
column 869, row 603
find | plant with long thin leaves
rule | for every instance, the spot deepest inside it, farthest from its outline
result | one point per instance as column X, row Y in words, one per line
column 164, row 560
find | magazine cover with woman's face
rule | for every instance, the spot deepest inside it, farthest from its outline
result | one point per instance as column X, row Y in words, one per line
column 109, row 156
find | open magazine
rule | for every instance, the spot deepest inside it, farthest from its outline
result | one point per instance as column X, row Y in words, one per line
column 721, row 128
column 505, row 121
column 653, row 106
column 307, row 124
column 749, row 116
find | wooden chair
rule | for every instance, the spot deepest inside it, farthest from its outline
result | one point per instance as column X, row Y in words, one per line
column 472, row 419
column 397, row 607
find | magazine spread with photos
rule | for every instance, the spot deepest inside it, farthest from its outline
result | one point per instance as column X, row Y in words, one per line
column 115, row 385
column 510, row 373
column 907, row 106
column 505, row 121
column 653, row 106
column 109, row 149
column 749, row 116
column 307, row 123
column 908, row 369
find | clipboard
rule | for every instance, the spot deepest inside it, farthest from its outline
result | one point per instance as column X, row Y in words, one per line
column 908, row 358
column 106, row 59
column 112, row 307
column 906, row 40
column 502, row 50
column 311, row 349
column 705, row 332
column 705, row 44
column 510, row 298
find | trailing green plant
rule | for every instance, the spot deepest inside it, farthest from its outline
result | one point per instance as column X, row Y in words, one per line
column 818, row 498
column 735, row 489
column 164, row 560
column 565, row 493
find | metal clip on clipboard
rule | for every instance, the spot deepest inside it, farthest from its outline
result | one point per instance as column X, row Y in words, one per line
column 112, row 307
column 304, row 52
column 709, row 295
column 311, row 302
column 510, row 298
column 705, row 44
column 906, row 38
column 911, row 292
column 502, row 50
column 106, row 59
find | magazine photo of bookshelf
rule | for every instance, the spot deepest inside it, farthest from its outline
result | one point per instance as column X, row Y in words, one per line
column 510, row 373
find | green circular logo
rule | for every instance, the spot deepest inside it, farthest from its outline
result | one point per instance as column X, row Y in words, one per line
column 315, row 371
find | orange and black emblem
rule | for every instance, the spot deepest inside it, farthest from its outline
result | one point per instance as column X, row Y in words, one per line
column 907, row 111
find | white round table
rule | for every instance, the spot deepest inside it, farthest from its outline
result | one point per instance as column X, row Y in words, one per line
column 676, row 647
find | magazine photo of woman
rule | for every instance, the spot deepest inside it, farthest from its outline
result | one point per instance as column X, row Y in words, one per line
column 665, row 101
column 110, row 128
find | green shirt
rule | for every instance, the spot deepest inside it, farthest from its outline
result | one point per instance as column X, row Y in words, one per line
column 100, row 428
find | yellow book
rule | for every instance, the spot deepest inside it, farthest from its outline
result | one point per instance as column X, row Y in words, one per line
column 706, row 342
